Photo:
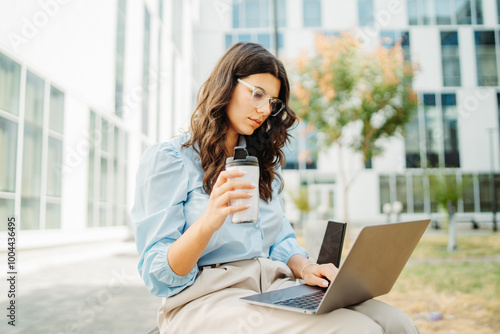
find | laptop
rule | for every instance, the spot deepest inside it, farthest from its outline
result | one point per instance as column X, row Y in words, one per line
column 371, row 268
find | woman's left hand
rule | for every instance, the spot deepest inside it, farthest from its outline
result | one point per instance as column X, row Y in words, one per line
column 319, row 274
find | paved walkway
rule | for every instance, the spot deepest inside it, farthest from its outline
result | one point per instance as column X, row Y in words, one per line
column 92, row 288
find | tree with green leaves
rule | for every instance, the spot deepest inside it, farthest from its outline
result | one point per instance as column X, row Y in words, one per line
column 354, row 97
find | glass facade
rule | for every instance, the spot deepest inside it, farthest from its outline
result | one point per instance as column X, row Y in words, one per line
column 396, row 187
column 445, row 12
column 42, row 121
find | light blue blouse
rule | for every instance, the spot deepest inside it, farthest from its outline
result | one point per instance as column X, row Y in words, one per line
column 169, row 198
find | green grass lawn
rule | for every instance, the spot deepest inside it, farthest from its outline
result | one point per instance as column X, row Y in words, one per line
column 463, row 286
column 472, row 269
column 469, row 244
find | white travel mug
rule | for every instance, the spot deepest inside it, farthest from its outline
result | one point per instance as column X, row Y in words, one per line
column 243, row 162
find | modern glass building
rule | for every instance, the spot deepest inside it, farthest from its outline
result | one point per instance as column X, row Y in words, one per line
column 85, row 87
column 455, row 131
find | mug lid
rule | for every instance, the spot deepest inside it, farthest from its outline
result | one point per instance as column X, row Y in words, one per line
column 241, row 157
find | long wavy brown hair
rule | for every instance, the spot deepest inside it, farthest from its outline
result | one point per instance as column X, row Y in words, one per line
column 209, row 122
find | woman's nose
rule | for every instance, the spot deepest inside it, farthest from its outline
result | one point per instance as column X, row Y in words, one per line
column 265, row 109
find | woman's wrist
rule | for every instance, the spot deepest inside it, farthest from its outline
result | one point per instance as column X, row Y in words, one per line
column 304, row 267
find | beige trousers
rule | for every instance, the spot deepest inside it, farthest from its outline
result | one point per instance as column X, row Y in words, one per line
column 211, row 305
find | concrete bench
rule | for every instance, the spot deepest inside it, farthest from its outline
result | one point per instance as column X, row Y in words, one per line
column 154, row 330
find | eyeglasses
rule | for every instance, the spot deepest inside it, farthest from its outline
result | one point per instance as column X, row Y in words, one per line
column 260, row 97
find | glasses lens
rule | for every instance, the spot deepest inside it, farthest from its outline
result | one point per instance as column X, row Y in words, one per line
column 276, row 107
column 259, row 97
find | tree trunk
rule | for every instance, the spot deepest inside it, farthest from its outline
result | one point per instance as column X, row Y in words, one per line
column 345, row 184
column 346, row 204
column 452, row 228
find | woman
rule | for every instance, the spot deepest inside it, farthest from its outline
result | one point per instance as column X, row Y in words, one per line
column 191, row 253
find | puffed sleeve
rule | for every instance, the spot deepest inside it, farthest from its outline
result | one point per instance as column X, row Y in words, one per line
column 285, row 245
column 158, row 217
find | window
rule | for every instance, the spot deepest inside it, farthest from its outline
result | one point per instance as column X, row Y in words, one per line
column 468, row 193
column 54, row 159
column 426, row 10
column 418, row 194
column 121, row 23
column 177, row 21
column 253, row 21
column 419, row 188
column 439, row 123
column 412, row 140
column 41, row 151
column 486, row 58
column 484, row 193
column 312, row 13
column 419, row 12
column 451, row 151
column 365, row 12
column 432, row 132
column 6, row 210
column 450, row 58
column 413, row 17
column 445, row 12
column 489, row 188
column 263, row 39
column 478, row 6
column 107, row 182
column 145, row 72
column 56, row 110
column 32, row 152
column 498, row 11
column 159, row 73
column 10, row 77
column 401, row 191
column 394, row 185
column 469, row 12
column 389, row 38
column 301, row 147
column 385, row 191
column 8, row 151
column 258, row 13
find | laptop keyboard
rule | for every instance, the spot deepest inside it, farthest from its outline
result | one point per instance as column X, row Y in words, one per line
column 309, row 302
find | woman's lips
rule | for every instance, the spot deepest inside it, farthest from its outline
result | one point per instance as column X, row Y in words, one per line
column 256, row 121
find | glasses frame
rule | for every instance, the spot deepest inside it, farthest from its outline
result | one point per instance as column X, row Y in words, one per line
column 269, row 98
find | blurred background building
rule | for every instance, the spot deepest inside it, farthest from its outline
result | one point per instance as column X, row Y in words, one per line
column 86, row 86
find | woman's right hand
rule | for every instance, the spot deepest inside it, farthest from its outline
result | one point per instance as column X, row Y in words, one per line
column 224, row 190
